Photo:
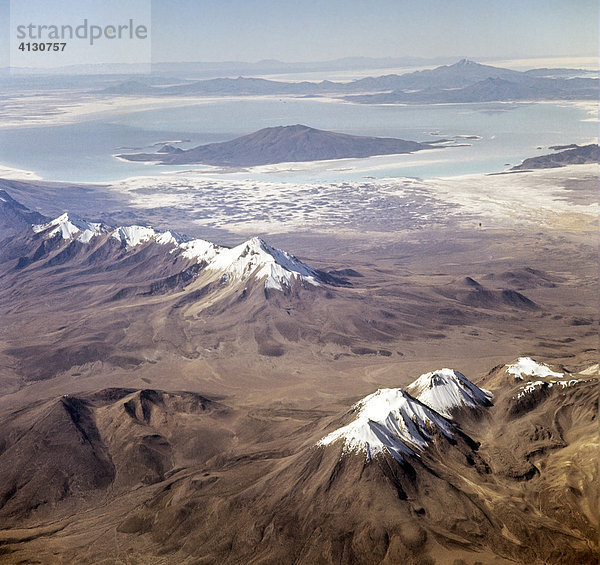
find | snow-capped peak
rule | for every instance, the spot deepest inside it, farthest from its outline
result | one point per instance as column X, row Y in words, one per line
column 255, row 258
column 134, row 235
column 169, row 238
column 445, row 390
column 200, row 249
column 389, row 420
column 527, row 367
column 71, row 227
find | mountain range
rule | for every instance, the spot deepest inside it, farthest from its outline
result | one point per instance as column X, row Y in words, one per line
column 94, row 271
column 132, row 406
column 461, row 82
column 467, row 81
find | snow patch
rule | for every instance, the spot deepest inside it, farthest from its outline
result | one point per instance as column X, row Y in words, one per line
column 532, row 387
column 445, row 390
column 527, row 367
column 95, row 229
column 200, row 250
column 591, row 370
column 169, row 238
column 133, row 235
column 389, row 420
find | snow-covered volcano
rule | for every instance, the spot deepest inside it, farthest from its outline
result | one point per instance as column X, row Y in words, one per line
column 446, row 390
column 401, row 422
column 68, row 226
column 392, row 421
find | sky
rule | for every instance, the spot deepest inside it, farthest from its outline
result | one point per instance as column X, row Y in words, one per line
column 317, row 30
column 328, row 29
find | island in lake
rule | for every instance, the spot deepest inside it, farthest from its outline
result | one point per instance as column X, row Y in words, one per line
column 566, row 155
column 282, row 144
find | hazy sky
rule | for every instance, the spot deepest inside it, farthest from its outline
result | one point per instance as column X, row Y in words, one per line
column 250, row 30
column 326, row 29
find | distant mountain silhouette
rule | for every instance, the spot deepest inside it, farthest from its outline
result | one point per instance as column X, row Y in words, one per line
column 283, row 144
column 448, row 83
column 129, row 87
column 459, row 75
column 490, row 89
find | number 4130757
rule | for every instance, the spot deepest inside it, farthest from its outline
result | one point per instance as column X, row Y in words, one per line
column 42, row 46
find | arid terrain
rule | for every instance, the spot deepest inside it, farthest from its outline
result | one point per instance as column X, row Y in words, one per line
column 167, row 400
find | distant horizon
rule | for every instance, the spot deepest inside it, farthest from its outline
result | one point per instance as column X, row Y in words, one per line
column 588, row 63
column 222, row 31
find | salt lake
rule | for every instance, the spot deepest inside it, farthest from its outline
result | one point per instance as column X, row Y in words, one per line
column 487, row 137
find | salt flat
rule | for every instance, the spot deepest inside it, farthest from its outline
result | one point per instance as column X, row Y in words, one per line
column 555, row 199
